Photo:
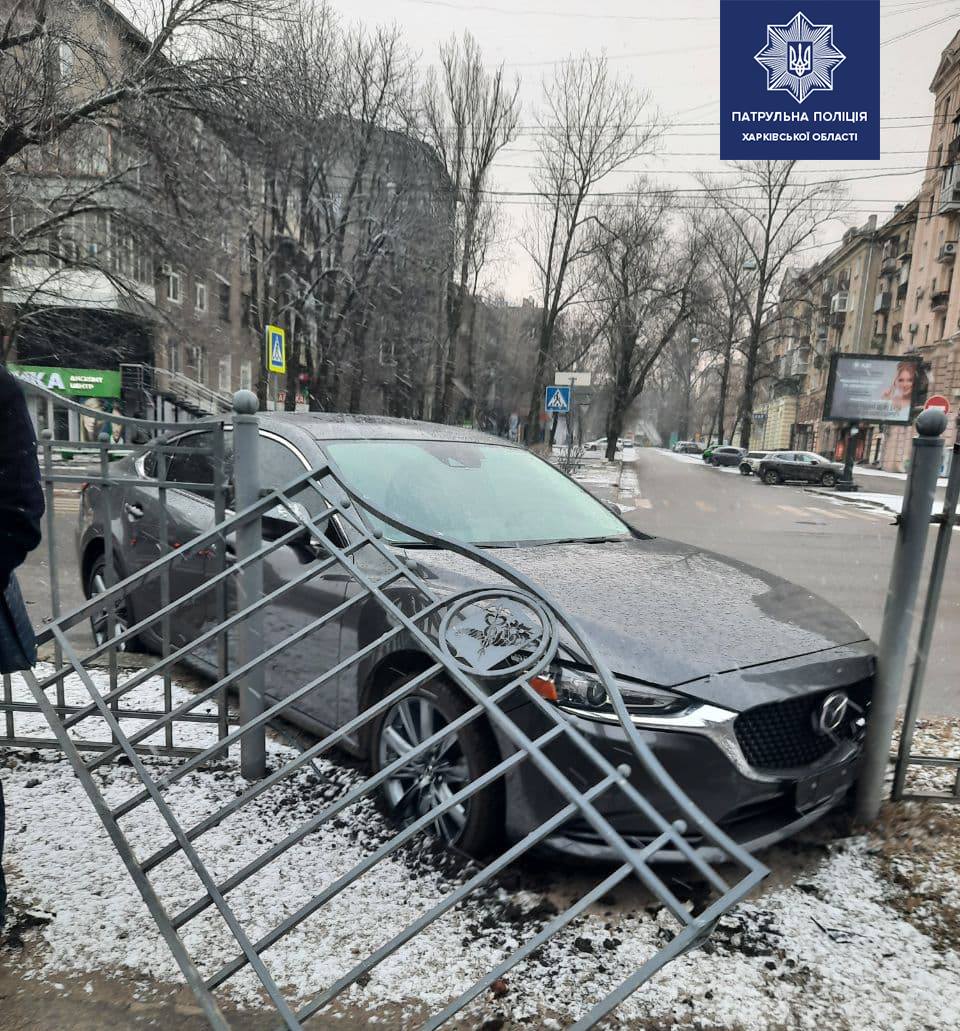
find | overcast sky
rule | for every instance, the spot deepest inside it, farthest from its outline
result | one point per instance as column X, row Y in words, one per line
column 671, row 51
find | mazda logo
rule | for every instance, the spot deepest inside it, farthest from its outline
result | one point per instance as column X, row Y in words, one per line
column 832, row 713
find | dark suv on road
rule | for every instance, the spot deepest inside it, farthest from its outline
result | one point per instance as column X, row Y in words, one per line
column 799, row 467
column 728, row 671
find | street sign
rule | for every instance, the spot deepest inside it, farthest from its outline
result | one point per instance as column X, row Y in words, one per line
column 557, row 399
column 276, row 341
column 574, row 379
column 937, row 401
column 583, row 397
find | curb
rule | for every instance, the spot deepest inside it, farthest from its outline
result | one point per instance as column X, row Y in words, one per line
column 850, row 499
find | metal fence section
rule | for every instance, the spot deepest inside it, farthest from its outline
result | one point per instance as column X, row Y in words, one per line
column 94, row 471
column 947, row 520
column 493, row 645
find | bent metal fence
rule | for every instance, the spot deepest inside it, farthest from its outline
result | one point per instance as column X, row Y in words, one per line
column 495, row 646
column 69, row 468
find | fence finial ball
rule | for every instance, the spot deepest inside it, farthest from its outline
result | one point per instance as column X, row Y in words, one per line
column 245, row 402
column 931, row 423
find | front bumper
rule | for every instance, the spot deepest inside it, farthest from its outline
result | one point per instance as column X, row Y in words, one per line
column 755, row 807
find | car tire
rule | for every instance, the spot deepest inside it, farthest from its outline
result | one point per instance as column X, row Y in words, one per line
column 715, row 462
column 95, row 584
column 474, row 827
column 828, row 480
column 745, row 470
column 771, row 477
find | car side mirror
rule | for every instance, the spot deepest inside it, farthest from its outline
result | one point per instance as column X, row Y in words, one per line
column 279, row 520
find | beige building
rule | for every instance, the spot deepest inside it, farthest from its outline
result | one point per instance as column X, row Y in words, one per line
column 931, row 317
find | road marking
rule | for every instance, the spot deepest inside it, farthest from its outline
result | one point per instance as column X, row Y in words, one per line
column 704, row 507
column 643, row 502
column 793, row 510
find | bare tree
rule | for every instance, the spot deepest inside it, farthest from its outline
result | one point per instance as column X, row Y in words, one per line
column 648, row 288
column 593, row 122
column 470, row 114
column 97, row 113
column 773, row 214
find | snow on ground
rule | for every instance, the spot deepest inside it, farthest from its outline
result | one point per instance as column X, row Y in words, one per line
column 863, row 499
column 677, row 457
column 836, row 949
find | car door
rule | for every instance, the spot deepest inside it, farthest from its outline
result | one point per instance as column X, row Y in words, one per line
column 300, row 661
column 179, row 515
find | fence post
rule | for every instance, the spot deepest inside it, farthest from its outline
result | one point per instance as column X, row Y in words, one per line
column 249, row 581
column 937, row 570
column 905, row 573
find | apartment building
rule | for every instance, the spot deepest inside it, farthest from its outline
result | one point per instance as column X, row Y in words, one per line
column 180, row 306
column 930, row 326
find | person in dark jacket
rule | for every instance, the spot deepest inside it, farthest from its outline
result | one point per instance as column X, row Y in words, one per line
column 21, row 509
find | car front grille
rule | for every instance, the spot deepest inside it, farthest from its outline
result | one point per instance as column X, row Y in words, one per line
column 784, row 735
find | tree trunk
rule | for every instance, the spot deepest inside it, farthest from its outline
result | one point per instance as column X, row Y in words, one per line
column 536, row 392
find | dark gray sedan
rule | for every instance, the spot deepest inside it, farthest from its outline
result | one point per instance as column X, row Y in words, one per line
column 727, row 670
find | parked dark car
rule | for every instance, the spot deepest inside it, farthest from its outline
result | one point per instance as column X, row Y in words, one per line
column 726, row 456
column 799, row 467
column 727, row 670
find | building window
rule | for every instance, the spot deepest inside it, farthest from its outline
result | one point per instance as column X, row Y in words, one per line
column 223, row 295
column 246, row 376
column 173, row 355
column 224, row 374
column 67, row 60
column 174, row 285
column 200, row 297
column 245, row 309
column 197, row 363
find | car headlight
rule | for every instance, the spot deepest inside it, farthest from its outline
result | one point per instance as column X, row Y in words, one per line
column 580, row 691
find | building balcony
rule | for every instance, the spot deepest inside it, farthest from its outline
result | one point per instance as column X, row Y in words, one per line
column 949, row 191
column 940, row 300
column 882, row 301
column 878, row 342
column 889, row 266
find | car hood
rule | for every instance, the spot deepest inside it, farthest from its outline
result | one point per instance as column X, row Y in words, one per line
column 662, row 612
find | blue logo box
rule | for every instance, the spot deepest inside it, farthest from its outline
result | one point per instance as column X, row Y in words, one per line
column 800, row 80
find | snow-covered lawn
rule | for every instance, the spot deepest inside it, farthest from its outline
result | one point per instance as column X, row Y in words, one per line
column 831, row 942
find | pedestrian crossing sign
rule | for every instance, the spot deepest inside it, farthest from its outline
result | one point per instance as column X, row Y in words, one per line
column 557, row 399
column 276, row 349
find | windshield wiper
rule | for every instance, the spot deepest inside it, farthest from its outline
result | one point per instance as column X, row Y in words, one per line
column 589, row 540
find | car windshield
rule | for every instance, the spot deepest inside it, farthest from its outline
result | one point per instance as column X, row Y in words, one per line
column 481, row 493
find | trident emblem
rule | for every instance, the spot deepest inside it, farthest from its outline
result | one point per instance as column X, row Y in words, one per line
column 800, row 58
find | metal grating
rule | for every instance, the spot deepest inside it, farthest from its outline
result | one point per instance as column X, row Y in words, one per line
column 488, row 672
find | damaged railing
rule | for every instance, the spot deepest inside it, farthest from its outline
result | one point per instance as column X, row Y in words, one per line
column 495, row 646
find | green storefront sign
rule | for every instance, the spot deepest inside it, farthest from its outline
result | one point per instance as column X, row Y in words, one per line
column 71, row 382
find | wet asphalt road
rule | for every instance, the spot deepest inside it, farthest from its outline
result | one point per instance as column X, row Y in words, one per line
column 836, row 549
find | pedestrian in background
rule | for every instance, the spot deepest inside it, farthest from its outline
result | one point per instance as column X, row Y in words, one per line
column 21, row 509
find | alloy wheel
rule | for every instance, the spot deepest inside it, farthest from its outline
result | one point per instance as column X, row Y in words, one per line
column 427, row 779
column 99, row 620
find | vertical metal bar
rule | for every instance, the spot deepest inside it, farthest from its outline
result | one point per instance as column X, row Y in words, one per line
column 50, row 499
column 220, row 480
column 250, row 581
column 898, row 611
column 9, row 729
column 934, row 587
column 103, row 443
column 163, row 535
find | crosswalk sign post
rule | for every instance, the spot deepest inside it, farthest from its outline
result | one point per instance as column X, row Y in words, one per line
column 276, row 347
column 556, row 400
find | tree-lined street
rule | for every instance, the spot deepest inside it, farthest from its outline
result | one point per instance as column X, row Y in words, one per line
column 838, row 549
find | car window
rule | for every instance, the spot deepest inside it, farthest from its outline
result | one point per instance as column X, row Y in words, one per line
column 481, row 493
column 193, row 461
